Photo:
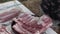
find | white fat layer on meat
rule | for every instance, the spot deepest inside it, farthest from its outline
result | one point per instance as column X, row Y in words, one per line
column 20, row 15
column 37, row 32
column 36, row 18
column 18, row 29
column 40, row 21
column 3, row 33
column 7, row 15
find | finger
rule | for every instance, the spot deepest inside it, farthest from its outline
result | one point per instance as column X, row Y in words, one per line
column 29, row 19
column 16, row 27
column 32, row 22
column 17, row 21
column 24, row 19
column 24, row 30
column 19, row 26
column 30, row 29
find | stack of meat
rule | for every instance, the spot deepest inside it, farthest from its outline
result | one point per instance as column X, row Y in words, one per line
column 6, row 17
column 27, row 24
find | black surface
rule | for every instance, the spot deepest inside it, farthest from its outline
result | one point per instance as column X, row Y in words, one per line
column 53, row 8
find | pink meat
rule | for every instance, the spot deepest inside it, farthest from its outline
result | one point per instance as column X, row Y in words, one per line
column 3, row 30
column 9, row 15
column 29, row 24
column 18, row 27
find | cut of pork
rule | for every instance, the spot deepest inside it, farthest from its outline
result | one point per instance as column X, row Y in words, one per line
column 9, row 15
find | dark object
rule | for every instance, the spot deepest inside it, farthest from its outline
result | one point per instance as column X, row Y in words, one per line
column 15, row 32
column 59, row 25
column 51, row 8
column 2, row 1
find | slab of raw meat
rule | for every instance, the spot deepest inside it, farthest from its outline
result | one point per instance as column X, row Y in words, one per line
column 9, row 15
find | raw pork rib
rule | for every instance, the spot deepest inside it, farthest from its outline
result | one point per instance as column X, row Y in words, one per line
column 27, row 24
column 9, row 15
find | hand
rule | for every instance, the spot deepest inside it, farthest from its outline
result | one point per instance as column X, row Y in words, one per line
column 27, row 24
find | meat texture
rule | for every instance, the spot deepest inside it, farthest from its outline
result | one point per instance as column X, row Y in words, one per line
column 3, row 30
column 27, row 24
column 9, row 15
